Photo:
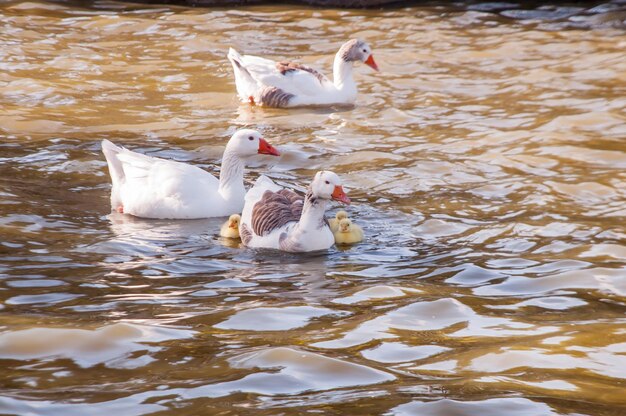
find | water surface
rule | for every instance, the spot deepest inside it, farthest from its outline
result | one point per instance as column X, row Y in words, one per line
column 486, row 162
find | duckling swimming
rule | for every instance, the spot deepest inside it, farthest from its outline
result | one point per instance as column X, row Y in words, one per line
column 334, row 222
column 230, row 229
column 348, row 233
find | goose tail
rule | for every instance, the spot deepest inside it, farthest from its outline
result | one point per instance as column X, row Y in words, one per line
column 116, row 169
column 247, row 86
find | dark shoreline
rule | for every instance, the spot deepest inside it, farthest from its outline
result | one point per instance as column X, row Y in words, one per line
column 489, row 6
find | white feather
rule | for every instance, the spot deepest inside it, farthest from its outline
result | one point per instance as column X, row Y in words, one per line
column 151, row 187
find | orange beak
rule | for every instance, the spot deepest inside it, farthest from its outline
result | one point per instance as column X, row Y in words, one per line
column 267, row 149
column 339, row 195
column 232, row 224
column 370, row 62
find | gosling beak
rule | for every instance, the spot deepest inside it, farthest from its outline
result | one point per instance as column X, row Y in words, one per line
column 339, row 195
column 371, row 63
column 267, row 149
column 232, row 224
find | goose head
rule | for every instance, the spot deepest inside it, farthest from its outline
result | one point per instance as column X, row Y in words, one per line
column 356, row 50
column 245, row 143
column 327, row 185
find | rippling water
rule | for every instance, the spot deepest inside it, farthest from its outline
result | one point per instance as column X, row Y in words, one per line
column 486, row 161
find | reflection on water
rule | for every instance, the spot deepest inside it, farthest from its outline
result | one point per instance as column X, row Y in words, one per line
column 110, row 345
column 486, row 161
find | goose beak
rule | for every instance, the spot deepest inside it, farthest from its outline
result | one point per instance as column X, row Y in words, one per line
column 267, row 149
column 371, row 63
column 232, row 224
column 339, row 195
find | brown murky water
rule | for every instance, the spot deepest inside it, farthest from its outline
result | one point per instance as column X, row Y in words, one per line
column 487, row 162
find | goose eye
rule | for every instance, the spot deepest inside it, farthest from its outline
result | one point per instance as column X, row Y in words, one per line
column 251, row 138
column 364, row 50
column 327, row 183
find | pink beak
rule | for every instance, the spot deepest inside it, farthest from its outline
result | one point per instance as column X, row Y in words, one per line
column 339, row 195
column 370, row 62
column 267, row 149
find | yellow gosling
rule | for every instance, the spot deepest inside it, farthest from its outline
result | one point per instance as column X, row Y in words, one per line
column 334, row 222
column 230, row 229
column 348, row 233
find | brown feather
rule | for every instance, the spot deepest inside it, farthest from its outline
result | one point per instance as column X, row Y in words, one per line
column 245, row 234
column 275, row 209
column 285, row 67
column 349, row 51
column 274, row 97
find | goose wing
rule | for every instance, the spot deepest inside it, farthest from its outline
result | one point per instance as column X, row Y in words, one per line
column 291, row 77
column 152, row 187
column 276, row 209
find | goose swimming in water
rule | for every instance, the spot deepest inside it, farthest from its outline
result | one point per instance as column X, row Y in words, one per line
column 268, row 83
column 151, row 187
column 278, row 218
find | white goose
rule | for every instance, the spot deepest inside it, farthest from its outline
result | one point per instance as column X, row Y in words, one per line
column 151, row 187
column 278, row 218
column 286, row 84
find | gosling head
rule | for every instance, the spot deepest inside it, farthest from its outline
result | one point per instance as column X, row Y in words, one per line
column 345, row 225
column 233, row 221
column 341, row 214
